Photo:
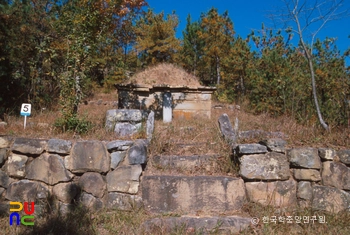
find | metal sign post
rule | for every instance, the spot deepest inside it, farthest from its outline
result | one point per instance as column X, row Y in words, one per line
column 25, row 111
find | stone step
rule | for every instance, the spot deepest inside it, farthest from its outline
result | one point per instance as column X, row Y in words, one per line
column 196, row 225
column 192, row 194
column 186, row 162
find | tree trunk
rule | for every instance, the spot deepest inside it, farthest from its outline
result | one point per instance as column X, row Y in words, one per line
column 218, row 70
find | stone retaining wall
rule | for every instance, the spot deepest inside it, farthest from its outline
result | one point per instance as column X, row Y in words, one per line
column 95, row 173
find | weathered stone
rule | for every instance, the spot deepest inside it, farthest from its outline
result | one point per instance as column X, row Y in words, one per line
column 4, row 142
column 121, row 201
column 335, row 174
column 93, row 183
column 304, row 190
column 119, row 145
column 59, row 146
column 304, row 158
column 344, row 156
column 65, row 192
column 65, row 208
column 186, row 162
column 250, row 149
column 26, row 191
column 125, row 129
column 2, row 190
column 88, row 156
column 48, row 168
column 326, row 154
column 29, row 146
column 16, row 165
column 3, row 156
column 137, row 153
column 277, row 193
column 275, row 145
column 226, row 129
column 4, row 179
column 330, row 199
column 89, row 201
column 197, row 225
column 122, row 115
column 124, row 179
column 191, row 194
column 150, row 126
column 269, row 166
column 116, row 158
column 307, row 174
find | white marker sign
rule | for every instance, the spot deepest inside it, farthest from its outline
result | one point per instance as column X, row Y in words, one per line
column 25, row 111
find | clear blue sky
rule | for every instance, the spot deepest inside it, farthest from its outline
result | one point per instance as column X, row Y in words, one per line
column 247, row 15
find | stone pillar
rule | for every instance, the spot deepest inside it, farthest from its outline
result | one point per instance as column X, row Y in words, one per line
column 167, row 109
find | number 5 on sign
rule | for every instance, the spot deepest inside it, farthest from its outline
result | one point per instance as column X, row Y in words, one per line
column 25, row 111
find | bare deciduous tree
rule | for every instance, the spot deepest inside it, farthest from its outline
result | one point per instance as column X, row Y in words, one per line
column 308, row 18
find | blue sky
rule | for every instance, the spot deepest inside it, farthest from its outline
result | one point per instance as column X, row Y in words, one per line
column 247, row 15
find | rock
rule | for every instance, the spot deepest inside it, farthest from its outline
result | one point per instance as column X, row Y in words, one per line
column 336, row 174
column 65, row 192
column 90, row 202
column 26, row 191
column 16, row 165
column 116, row 158
column 197, row 225
column 344, row 156
column 186, row 162
column 250, row 149
column 270, row 166
column 93, row 183
column 124, row 202
column 124, row 179
column 275, row 145
column 65, row 208
column 125, row 129
column 189, row 194
column 119, row 145
column 59, row 146
column 88, row 156
column 2, row 190
column 304, row 158
column 122, row 115
column 226, row 129
column 3, row 156
column 4, row 179
column 4, row 142
column 307, row 174
column 137, row 153
column 48, row 168
column 276, row 193
column 150, row 126
column 330, row 199
column 29, row 146
column 304, row 190
column 326, row 154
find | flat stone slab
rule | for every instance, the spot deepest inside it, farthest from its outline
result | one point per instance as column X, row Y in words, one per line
column 330, row 199
column 335, row 174
column 197, row 225
column 270, row 166
column 243, row 149
column 192, row 193
column 29, row 146
column 304, row 158
column 119, row 145
column 186, row 162
column 344, row 156
column 59, row 146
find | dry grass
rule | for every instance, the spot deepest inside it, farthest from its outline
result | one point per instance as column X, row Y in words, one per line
column 164, row 74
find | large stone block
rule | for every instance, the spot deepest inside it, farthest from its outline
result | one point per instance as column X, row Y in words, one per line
column 125, row 179
column 16, row 165
column 336, row 174
column 275, row 144
column 29, row 146
column 119, row 145
column 59, row 146
column 307, row 174
column 125, row 129
column 326, row 154
column 48, row 168
column 191, row 194
column 26, row 191
column 65, row 192
column 137, row 153
column 344, row 156
column 4, row 179
column 277, row 193
column 243, row 149
column 88, row 156
column 93, row 183
column 330, row 199
column 121, row 201
column 117, row 158
column 304, row 158
column 270, row 166
column 304, row 190
column 91, row 202
column 114, row 116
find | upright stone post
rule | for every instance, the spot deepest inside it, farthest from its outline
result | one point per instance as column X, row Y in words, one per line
column 167, row 110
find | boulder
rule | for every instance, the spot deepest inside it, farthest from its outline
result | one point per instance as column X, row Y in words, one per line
column 307, row 174
column 275, row 145
column 29, row 146
column 276, row 193
column 336, row 174
column 65, row 192
column 26, row 191
column 269, row 166
column 121, row 201
column 16, row 165
column 137, row 153
column 304, row 158
column 59, row 146
column 330, row 199
column 88, row 156
column 93, row 183
column 48, row 168
column 344, row 156
column 124, row 179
